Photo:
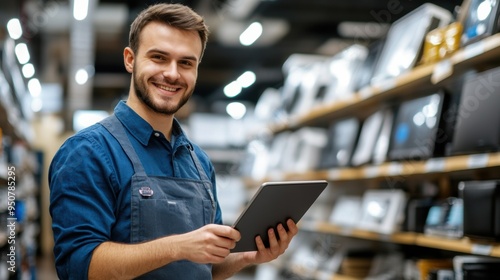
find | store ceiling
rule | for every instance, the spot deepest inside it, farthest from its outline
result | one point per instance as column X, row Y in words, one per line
column 290, row 26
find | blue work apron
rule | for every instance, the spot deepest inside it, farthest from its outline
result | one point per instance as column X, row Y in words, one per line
column 162, row 206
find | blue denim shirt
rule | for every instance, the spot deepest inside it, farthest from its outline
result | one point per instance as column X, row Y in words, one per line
column 89, row 180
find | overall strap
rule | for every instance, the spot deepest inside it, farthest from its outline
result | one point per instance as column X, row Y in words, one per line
column 115, row 127
column 197, row 163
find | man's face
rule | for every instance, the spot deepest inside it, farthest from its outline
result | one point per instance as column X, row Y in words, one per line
column 165, row 67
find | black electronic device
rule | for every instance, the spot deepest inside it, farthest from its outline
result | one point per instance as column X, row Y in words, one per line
column 368, row 67
column 481, row 209
column 416, row 214
column 272, row 204
column 478, row 121
column 342, row 138
column 445, row 219
column 480, row 271
column 482, row 20
column 418, row 131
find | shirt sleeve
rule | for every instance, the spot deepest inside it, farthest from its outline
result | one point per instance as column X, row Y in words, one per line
column 81, row 204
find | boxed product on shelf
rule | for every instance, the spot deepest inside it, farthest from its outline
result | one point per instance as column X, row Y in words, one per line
column 420, row 131
column 381, row 147
column 370, row 131
column 342, row 137
column 481, row 209
column 305, row 150
column 343, row 70
column 402, row 48
column 382, row 210
column 346, row 211
column 255, row 162
column 416, row 214
column 477, row 127
column 267, row 106
column 481, row 20
column 475, row 267
column 313, row 84
column 445, row 219
column 367, row 69
column 441, row 42
column 294, row 69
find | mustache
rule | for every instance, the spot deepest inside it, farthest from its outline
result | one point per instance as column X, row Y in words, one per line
column 169, row 82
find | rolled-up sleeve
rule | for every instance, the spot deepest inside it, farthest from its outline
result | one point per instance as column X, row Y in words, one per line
column 81, row 204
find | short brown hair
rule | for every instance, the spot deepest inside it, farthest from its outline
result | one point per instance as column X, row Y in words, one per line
column 175, row 15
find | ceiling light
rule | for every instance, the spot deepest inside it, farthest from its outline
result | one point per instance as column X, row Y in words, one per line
column 246, row 79
column 22, row 53
column 28, row 70
column 251, row 34
column 80, row 9
column 81, row 76
column 232, row 89
column 14, row 28
column 34, row 87
column 236, row 110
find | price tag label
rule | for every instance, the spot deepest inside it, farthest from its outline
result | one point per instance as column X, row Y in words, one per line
column 473, row 50
column 366, row 92
column 385, row 237
column 481, row 249
column 443, row 70
column 386, row 85
column 371, row 171
column 346, row 231
column 395, row 169
column 294, row 121
column 435, row 165
column 334, row 174
column 478, row 161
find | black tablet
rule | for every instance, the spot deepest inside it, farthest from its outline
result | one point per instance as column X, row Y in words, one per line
column 272, row 204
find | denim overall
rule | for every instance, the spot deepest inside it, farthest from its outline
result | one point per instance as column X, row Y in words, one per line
column 162, row 206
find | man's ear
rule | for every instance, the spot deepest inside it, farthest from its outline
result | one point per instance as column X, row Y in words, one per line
column 128, row 59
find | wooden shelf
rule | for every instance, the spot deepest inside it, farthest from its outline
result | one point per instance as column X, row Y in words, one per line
column 344, row 277
column 408, row 238
column 421, row 77
column 463, row 245
column 394, row 169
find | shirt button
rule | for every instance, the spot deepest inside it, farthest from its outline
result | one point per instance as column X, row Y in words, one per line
column 157, row 134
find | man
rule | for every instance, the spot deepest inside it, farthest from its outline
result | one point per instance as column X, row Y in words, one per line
column 132, row 197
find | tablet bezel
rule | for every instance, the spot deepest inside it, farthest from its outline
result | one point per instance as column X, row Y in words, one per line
column 290, row 199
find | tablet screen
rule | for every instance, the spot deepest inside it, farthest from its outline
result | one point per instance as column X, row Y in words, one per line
column 272, row 204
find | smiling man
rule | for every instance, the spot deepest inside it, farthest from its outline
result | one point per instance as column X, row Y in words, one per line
column 132, row 196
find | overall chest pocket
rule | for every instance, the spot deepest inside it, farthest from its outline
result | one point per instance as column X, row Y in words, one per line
column 161, row 217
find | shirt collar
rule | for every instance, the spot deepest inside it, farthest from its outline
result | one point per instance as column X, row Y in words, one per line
column 140, row 128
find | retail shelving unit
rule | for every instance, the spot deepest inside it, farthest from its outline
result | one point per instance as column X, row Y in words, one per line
column 18, row 169
column 429, row 76
column 423, row 76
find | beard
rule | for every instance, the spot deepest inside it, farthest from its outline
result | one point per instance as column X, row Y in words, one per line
column 167, row 108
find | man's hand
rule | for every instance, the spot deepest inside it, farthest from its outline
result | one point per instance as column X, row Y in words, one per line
column 209, row 244
column 276, row 246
